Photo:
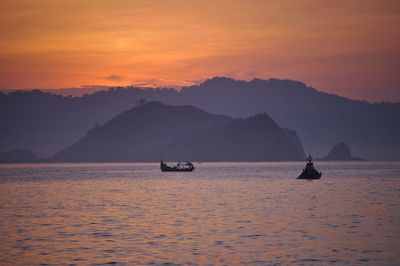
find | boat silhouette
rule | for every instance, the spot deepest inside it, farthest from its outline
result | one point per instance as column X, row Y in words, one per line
column 180, row 167
column 309, row 172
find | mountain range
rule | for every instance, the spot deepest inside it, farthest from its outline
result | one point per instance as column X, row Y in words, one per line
column 47, row 123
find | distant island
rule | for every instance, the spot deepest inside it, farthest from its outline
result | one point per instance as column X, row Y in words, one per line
column 341, row 152
column 257, row 138
column 18, row 156
column 155, row 131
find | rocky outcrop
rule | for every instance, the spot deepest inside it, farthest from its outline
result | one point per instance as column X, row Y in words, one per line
column 341, row 152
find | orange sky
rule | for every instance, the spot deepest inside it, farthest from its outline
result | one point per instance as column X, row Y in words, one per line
column 351, row 48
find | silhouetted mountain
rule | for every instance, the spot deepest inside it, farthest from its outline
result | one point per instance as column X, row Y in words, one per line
column 134, row 134
column 18, row 156
column 296, row 142
column 341, row 152
column 319, row 118
column 257, row 138
column 47, row 123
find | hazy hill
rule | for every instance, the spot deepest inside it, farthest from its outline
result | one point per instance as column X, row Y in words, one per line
column 18, row 156
column 47, row 123
column 319, row 118
column 340, row 152
column 257, row 138
column 134, row 134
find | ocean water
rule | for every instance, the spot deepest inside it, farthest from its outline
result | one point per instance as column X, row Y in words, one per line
column 220, row 214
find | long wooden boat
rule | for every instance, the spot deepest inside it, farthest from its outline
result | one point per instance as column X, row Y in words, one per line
column 180, row 167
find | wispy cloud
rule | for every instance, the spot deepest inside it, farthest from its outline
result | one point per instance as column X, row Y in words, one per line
column 114, row 78
column 157, row 83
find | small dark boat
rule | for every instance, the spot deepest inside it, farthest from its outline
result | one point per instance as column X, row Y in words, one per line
column 309, row 172
column 180, row 167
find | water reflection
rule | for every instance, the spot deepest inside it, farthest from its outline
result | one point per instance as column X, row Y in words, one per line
column 222, row 213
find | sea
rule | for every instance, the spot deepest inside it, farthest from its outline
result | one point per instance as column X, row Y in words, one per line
column 219, row 214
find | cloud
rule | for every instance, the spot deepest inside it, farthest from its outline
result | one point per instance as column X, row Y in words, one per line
column 114, row 78
column 161, row 82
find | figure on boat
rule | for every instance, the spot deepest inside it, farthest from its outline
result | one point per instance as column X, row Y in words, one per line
column 309, row 172
column 180, row 167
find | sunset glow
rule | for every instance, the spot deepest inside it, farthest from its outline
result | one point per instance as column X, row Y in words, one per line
column 350, row 48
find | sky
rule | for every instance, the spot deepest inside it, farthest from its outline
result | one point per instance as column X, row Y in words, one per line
column 346, row 47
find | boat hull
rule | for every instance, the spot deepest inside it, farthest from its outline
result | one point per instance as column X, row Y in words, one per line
column 176, row 170
column 305, row 175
